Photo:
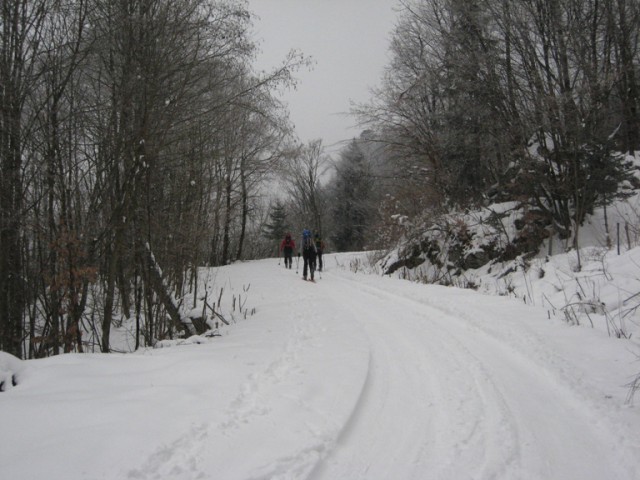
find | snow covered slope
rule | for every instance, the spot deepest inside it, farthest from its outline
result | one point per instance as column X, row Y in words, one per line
column 354, row 377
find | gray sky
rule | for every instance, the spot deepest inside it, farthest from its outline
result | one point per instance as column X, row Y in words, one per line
column 348, row 40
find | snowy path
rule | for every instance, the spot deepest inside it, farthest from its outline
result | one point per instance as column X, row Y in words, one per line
column 354, row 377
column 475, row 406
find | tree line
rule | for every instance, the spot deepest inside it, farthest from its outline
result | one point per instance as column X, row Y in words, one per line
column 335, row 197
column 134, row 137
column 482, row 101
column 536, row 101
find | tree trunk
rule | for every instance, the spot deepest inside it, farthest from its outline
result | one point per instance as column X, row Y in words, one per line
column 629, row 86
column 156, row 283
column 226, row 236
column 245, row 214
column 109, row 300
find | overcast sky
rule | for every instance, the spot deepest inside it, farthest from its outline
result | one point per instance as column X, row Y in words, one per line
column 348, row 40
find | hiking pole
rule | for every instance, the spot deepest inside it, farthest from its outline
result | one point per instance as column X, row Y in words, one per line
column 297, row 262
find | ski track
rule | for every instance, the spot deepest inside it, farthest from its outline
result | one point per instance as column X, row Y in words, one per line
column 470, row 387
column 258, row 406
column 477, row 365
column 401, row 360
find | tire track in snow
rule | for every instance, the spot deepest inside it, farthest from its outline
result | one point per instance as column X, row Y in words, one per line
column 527, row 345
column 442, row 395
column 401, row 359
column 326, row 428
column 490, row 438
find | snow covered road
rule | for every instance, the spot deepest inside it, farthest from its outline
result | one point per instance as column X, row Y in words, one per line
column 448, row 396
column 353, row 377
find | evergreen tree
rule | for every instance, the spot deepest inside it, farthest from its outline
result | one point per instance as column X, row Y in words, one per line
column 353, row 209
column 277, row 226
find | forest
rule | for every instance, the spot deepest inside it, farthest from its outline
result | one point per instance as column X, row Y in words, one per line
column 139, row 143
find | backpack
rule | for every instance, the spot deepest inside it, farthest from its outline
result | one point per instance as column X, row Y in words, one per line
column 306, row 240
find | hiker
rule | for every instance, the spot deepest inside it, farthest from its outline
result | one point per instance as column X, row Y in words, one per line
column 287, row 246
column 308, row 254
column 319, row 249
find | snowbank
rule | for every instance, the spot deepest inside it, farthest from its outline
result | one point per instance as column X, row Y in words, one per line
column 11, row 369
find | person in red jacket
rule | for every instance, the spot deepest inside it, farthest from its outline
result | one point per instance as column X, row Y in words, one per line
column 287, row 247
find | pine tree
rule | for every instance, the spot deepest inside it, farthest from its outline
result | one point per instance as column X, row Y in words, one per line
column 353, row 210
column 277, row 226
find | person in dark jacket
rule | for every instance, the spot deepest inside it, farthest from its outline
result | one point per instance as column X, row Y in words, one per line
column 308, row 254
column 287, row 247
column 319, row 249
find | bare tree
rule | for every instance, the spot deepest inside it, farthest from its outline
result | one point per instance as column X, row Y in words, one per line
column 21, row 23
column 133, row 134
column 63, row 243
column 491, row 99
column 304, row 170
